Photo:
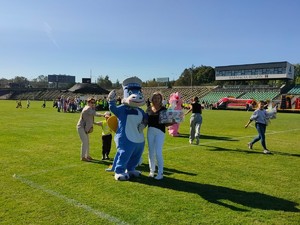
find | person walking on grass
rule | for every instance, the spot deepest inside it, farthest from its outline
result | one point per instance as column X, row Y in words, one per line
column 261, row 117
column 195, row 120
column 19, row 104
column 28, row 103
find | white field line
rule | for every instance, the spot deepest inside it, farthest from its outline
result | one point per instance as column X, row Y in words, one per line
column 47, row 171
column 233, row 138
column 69, row 200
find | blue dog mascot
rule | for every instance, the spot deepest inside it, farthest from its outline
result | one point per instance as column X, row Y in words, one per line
column 129, row 136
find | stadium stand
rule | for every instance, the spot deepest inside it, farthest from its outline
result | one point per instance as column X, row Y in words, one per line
column 214, row 96
column 5, row 94
column 295, row 90
column 256, row 92
column 187, row 92
column 267, row 95
column 207, row 94
column 51, row 94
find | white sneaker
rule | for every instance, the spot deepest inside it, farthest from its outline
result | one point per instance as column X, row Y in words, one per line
column 266, row 151
column 250, row 145
column 159, row 177
column 151, row 174
column 190, row 141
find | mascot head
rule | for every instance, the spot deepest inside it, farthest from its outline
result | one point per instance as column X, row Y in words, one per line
column 133, row 95
column 175, row 101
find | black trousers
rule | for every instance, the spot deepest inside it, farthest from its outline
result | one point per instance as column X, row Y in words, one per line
column 106, row 144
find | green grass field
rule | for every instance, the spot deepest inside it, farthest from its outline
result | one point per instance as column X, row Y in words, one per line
column 220, row 181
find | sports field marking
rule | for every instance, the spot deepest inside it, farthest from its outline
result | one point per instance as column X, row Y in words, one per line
column 51, row 170
column 70, row 201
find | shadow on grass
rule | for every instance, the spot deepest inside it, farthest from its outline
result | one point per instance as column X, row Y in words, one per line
column 224, row 196
column 219, row 138
column 167, row 171
column 208, row 137
column 215, row 148
column 286, row 154
column 183, row 135
column 104, row 162
column 220, row 149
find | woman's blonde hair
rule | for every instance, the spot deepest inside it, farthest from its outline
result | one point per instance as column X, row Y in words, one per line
column 155, row 94
column 90, row 99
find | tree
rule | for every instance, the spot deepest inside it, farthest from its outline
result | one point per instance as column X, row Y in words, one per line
column 150, row 83
column 117, row 84
column 204, row 75
column 297, row 73
column 104, row 82
column 4, row 82
column 20, row 82
column 40, row 82
column 185, row 78
column 195, row 76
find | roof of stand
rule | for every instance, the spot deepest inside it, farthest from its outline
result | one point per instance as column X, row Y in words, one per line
column 88, row 89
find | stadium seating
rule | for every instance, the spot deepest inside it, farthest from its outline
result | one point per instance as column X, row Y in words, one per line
column 208, row 94
column 214, row 97
column 267, row 95
column 295, row 90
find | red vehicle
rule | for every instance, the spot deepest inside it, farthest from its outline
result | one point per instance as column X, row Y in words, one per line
column 235, row 103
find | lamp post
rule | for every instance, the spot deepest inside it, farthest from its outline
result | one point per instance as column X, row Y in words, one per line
column 191, row 71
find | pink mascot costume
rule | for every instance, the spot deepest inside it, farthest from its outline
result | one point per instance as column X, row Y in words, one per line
column 175, row 102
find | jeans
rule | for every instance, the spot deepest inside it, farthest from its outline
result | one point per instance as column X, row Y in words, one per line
column 261, row 129
column 195, row 125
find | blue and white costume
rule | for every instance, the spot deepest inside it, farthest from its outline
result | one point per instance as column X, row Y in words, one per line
column 129, row 137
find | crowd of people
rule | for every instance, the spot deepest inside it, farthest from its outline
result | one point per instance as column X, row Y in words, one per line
column 68, row 104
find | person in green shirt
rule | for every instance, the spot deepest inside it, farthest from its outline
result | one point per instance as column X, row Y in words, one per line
column 106, row 136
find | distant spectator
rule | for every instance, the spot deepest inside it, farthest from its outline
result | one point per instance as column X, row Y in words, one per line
column 44, row 104
column 19, row 104
column 28, row 103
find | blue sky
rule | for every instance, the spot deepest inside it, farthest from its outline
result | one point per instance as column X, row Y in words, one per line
column 145, row 38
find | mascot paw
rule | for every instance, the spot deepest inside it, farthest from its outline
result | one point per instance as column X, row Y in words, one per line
column 122, row 176
column 112, row 96
column 134, row 173
column 141, row 127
